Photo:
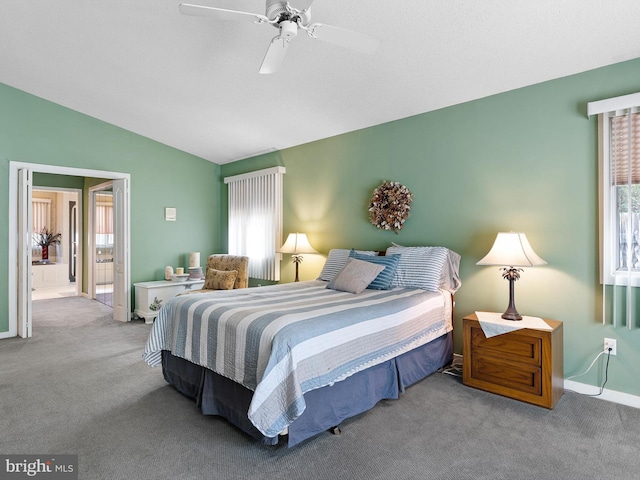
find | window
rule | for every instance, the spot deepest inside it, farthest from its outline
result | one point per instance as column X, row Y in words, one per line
column 255, row 220
column 619, row 134
column 619, row 172
column 624, row 178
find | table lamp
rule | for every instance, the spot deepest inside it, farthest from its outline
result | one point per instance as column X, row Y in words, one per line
column 296, row 245
column 511, row 250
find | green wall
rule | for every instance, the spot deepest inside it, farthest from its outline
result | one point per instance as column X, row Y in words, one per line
column 33, row 130
column 57, row 181
column 524, row 160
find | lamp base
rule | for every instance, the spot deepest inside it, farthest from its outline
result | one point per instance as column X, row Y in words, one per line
column 297, row 259
column 511, row 274
column 511, row 315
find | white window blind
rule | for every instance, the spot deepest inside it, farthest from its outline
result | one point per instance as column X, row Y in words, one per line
column 619, row 152
column 104, row 218
column 41, row 212
column 255, row 220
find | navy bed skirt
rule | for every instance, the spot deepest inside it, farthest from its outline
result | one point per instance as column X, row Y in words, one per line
column 326, row 407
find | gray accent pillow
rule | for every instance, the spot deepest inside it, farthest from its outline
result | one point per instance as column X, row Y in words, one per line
column 355, row 276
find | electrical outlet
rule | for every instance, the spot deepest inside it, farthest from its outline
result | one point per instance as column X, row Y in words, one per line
column 611, row 343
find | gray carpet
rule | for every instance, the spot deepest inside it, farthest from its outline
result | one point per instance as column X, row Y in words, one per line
column 79, row 386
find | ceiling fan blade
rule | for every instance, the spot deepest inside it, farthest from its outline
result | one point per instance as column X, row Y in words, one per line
column 275, row 55
column 345, row 38
column 302, row 5
column 221, row 13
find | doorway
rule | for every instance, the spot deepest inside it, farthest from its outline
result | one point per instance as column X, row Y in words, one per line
column 20, row 241
column 55, row 210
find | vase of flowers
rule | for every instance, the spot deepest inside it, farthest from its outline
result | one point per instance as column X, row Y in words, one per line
column 45, row 238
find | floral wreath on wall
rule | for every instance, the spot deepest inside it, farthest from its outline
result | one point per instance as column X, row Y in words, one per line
column 390, row 206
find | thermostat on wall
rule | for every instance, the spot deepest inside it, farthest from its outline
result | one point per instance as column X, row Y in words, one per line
column 170, row 214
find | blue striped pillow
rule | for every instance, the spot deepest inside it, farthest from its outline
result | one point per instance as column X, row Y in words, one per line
column 419, row 267
column 384, row 278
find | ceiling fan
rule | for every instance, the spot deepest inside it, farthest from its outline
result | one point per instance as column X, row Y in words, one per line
column 288, row 20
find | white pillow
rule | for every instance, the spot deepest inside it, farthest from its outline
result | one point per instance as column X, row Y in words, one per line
column 355, row 276
column 336, row 260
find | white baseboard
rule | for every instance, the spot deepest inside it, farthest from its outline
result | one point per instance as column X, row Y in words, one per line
column 609, row 395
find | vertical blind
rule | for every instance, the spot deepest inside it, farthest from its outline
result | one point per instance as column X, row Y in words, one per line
column 255, row 220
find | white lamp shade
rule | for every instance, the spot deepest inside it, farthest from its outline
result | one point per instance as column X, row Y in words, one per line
column 512, row 249
column 296, row 244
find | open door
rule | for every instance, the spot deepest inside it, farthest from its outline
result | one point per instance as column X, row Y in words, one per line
column 121, row 261
column 25, row 232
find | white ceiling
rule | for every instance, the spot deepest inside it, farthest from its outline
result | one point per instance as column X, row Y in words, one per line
column 193, row 83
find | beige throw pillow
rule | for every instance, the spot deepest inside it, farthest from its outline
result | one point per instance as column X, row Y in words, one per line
column 219, row 279
column 355, row 276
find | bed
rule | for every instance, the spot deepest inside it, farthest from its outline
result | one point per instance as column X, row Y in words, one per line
column 292, row 360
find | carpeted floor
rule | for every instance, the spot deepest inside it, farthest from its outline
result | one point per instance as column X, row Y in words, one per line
column 79, row 386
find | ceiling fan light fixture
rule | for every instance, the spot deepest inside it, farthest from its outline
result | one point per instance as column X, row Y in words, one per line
column 288, row 30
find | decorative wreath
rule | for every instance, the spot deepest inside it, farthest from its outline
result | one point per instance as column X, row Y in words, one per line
column 390, row 206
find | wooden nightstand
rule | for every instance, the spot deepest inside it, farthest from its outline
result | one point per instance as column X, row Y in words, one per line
column 526, row 364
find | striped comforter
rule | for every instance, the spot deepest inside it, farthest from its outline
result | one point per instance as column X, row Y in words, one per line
column 284, row 340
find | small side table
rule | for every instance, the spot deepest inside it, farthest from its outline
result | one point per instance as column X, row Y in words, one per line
column 525, row 365
column 163, row 290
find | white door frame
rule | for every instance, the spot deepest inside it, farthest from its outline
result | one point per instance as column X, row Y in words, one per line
column 15, row 234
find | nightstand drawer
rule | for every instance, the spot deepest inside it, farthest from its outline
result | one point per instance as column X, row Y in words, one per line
column 514, row 347
column 520, row 377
